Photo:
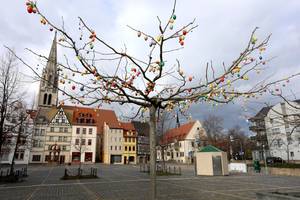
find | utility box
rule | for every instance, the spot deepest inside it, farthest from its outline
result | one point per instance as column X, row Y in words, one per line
column 211, row 161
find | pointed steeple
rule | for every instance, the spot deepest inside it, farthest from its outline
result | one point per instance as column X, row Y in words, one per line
column 48, row 93
column 52, row 59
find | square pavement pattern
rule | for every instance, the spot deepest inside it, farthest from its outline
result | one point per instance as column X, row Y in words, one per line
column 119, row 182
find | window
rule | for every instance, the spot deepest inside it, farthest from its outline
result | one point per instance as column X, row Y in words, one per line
column 84, row 131
column 176, row 154
column 110, row 147
column 51, row 129
column 133, row 148
column 42, row 132
column 120, row 148
column 77, row 142
column 125, row 139
column 116, row 148
column 129, row 148
column 133, row 139
column 51, row 138
column 36, row 158
column 37, row 132
column 179, row 144
column 120, row 139
column 59, row 138
column 276, row 130
column 193, row 144
column 82, row 141
column 90, row 131
column 77, row 130
column 90, row 142
column 63, row 121
column 115, row 139
column 125, row 148
column 65, row 138
column 66, row 130
column 57, row 120
column 181, row 154
column 292, row 154
column 64, row 148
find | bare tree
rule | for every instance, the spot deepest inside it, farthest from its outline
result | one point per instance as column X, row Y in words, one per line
column 111, row 75
column 80, row 146
column 213, row 126
column 163, row 124
column 21, row 130
column 9, row 81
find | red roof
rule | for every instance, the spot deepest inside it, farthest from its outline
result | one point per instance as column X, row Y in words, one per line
column 127, row 126
column 178, row 134
column 94, row 116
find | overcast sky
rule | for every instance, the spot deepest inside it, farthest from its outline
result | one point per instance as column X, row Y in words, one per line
column 224, row 28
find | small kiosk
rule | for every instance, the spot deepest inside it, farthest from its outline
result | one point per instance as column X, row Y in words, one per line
column 211, row 161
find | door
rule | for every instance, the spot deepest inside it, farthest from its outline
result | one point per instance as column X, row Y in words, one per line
column 217, row 165
column 62, row 159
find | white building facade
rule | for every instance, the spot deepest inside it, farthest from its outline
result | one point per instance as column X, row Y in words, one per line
column 283, row 130
column 112, row 145
column 83, row 144
column 182, row 142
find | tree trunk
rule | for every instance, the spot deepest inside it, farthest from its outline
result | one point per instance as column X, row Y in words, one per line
column 163, row 157
column 16, row 149
column 152, row 138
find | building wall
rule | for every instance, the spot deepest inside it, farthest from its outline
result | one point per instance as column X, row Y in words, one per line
column 183, row 151
column 85, row 148
column 113, row 144
column 129, row 148
column 278, row 129
column 61, row 136
column 38, row 143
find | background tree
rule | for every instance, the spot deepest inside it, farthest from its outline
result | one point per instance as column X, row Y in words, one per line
column 9, row 82
column 80, row 145
column 21, row 126
column 164, row 123
column 213, row 126
column 157, row 81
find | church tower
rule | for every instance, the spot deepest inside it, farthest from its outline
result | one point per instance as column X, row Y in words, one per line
column 48, row 93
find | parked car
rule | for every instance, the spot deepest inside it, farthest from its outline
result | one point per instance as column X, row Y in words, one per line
column 274, row 160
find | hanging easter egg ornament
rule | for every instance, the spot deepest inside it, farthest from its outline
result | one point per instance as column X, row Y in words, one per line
column 139, row 33
column 73, row 87
column 146, row 38
column 82, row 89
column 253, row 40
column 190, row 78
column 31, row 7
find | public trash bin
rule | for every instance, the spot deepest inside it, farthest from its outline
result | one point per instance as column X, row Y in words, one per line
column 256, row 166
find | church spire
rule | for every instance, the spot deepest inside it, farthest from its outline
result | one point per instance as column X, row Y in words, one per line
column 48, row 93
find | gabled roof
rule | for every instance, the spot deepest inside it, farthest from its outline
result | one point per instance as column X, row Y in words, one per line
column 210, row 148
column 100, row 116
column 142, row 128
column 74, row 113
column 178, row 134
column 127, row 126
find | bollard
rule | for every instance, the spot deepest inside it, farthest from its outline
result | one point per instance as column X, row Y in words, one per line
column 179, row 170
column 174, row 169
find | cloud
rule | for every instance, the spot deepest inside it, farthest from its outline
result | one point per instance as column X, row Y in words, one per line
column 224, row 28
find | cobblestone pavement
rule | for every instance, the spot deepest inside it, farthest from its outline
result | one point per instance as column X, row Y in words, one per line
column 117, row 182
